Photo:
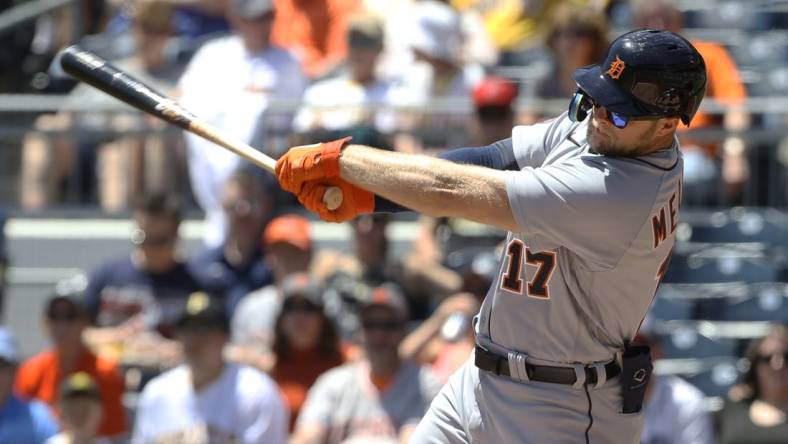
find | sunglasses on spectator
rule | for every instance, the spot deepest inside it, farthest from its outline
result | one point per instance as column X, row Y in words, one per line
column 775, row 360
column 301, row 306
column 241, row 207
column 141, row 238
column 67, row 316
column 387, row 326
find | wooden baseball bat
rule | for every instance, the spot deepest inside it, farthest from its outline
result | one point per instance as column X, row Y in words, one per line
column 97, row 72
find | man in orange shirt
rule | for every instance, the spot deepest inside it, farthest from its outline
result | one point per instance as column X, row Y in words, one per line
column 703, row 157
column 315, row 30
column 41, row 376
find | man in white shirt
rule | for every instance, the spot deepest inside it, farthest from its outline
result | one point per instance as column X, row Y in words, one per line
column 231, row 82
column 349, row 100
column 208, row 399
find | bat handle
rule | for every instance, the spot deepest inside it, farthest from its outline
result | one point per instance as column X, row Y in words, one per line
column 332, row 198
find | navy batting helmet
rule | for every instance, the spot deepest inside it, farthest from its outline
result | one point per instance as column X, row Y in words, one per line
column 646, row 73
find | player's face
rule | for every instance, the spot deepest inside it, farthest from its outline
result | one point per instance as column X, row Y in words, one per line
column 637, row 138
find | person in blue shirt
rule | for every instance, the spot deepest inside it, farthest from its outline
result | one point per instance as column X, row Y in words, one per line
column 21, row 420
column 236, row 268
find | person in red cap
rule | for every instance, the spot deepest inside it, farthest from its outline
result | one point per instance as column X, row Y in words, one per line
column 287, row 243
column 493, row 102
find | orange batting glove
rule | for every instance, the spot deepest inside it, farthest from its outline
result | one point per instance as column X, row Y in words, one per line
column 309, row 162
column 355, row 200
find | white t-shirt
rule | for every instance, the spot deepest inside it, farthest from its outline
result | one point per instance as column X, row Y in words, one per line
column 232, row 89
column 675, row 413
column 339, row 103
column 243, row 405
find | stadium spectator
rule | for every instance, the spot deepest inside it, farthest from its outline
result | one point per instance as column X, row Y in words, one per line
column 445, row 340
column 306, row 342
column 21, row 420
column 674, row 410
column 345, row 104
column 707, row 163
column 493, row 103
column 81, row 411
column 71, row 151
column 208, row 399
column 134, row 300
column 287, row 243
column 236, row 268
column 379, row 398
column 315, row 31
column 41, row 377
column 434, row 34
column 231, row 82
column 756, row 410
column 575, row 37
column 513, row 27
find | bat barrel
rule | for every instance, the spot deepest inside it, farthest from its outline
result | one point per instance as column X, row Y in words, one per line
column 97, row 72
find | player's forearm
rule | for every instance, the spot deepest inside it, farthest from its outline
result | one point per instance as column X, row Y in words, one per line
column 430, row 186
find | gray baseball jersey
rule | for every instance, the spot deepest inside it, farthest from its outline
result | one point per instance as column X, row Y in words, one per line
column 350, row 407
column 595, row 235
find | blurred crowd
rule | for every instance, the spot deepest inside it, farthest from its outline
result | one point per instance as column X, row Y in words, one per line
column 260, row 336
column 408, row 75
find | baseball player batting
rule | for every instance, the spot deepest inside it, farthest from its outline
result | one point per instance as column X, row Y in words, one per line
column 591, row 201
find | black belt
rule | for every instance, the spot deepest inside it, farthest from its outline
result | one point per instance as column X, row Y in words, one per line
column 499, row 365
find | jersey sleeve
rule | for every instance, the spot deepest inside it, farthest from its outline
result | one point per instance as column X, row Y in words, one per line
column 320, row 401
column 579, row 205
column 531, row 143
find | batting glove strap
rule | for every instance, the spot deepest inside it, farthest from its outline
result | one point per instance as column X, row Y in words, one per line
column 329, row 155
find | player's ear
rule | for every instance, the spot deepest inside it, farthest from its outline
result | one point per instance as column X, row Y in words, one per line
column 667, row 126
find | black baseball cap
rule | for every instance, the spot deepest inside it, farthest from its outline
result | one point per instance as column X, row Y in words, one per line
column 647, row 73
column 71, row 290
column 205, row 312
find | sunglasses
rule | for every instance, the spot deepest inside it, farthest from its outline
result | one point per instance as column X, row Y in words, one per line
column 582, row 103
column 775, row 360
column 63, row 317
column 303, row 307
column 387, row 326
column 241, row 207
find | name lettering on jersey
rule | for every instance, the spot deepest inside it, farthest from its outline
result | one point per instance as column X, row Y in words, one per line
column 668, row 213
column 544, row 261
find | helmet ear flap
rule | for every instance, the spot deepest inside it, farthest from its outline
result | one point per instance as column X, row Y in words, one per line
column 579, row 106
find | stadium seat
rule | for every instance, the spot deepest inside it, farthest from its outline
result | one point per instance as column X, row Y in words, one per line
column 717, row 379
column 703, row 262
column 752, row 302
column 739, row 225
column 687, row 342
column 671, row 304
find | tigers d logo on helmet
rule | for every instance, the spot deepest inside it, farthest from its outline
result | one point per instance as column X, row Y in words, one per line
column 616, row 68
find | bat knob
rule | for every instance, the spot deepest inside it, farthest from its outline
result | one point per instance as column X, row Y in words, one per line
column 332, row 198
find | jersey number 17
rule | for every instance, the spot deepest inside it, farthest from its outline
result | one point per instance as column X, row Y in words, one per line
column 544, row 263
